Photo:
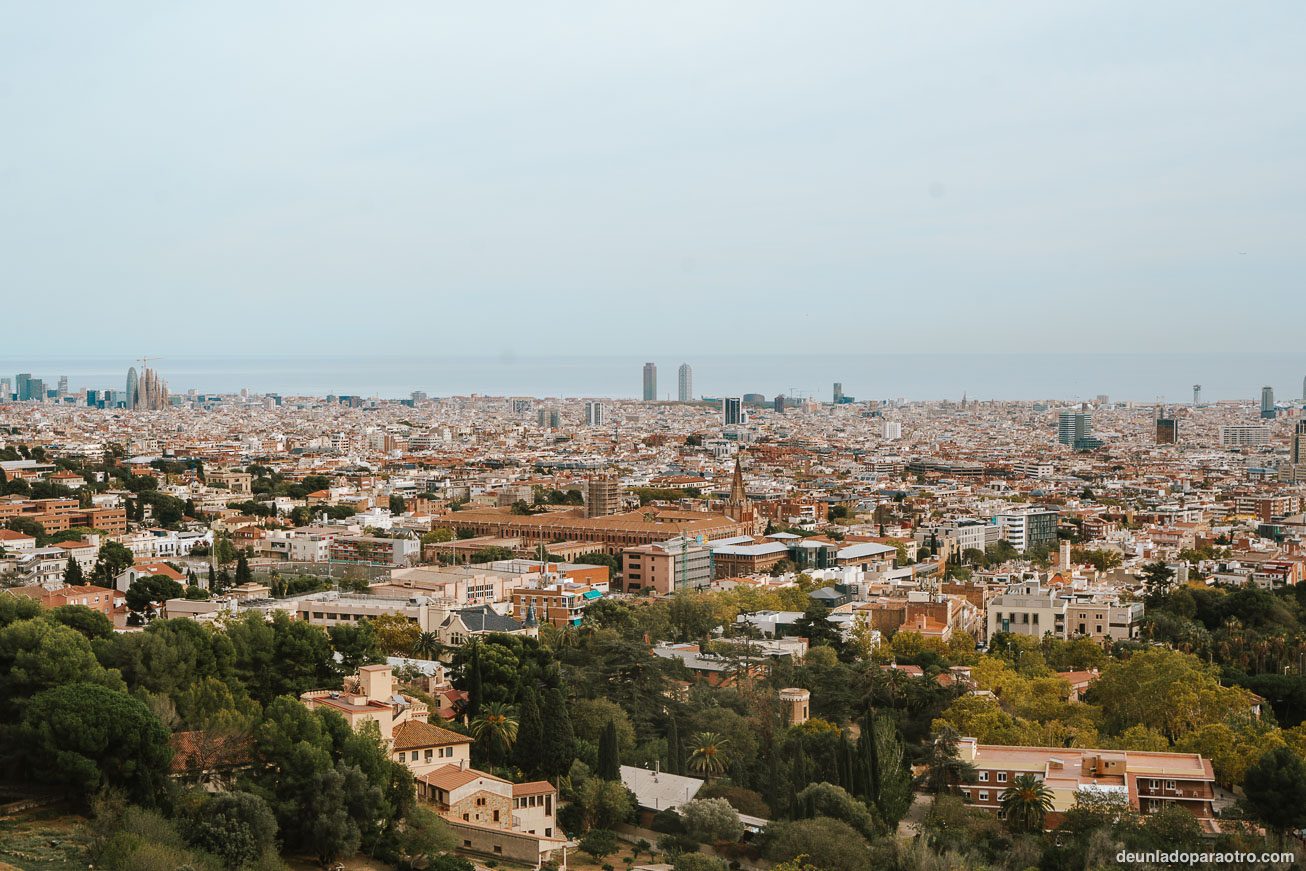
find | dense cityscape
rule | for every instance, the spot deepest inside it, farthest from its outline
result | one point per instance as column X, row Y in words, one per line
column 252, row 630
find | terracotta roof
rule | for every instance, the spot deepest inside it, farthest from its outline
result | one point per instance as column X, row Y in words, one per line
column 450, row 777
column 412, row 734
column 535, row 787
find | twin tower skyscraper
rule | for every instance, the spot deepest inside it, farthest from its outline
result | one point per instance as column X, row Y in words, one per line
column 685, row 393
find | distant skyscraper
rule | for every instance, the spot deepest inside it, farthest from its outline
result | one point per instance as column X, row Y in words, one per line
column 650, row 382
column 686, row 392
column 22, row 382
column 132, row 383
column 1075, row 430
column 594, row 413
column 1197, row 395
column 63, row 386
column 1298, row 454
column 1167, row 428
column 732, row 410
column 5, row 390
column 891, row 430
column 1267, row 403
column 838, row 392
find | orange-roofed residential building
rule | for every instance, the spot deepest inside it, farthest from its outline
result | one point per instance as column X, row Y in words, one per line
column 96, row 598
column 1148, row 781
column 496, row 817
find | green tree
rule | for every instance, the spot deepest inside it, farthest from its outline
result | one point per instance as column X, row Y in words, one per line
column 40, row 654
column 559, row 738
column 1025, row 803
column 529, row 749
column 397, row 505
column 243, row 574
column 609, row 753
column 1276, row 790
column 710, row 820
column 86, row 736
column 1157, row 579
column 72, row 573
column 150, row 590
column 599, row 843
column 834, row 802
column 944, row 767
column 112, row 561
column 237, row 827
column 824, row 843
column 87, row 621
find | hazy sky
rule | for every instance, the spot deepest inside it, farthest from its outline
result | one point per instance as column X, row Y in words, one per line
column 664, row 177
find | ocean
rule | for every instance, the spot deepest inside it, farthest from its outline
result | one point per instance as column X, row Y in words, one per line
column 1074, row 376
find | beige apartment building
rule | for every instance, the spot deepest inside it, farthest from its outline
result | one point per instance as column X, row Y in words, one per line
column 1030, row 608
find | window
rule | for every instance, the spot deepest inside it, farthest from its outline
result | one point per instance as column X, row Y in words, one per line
column 1002, row 777
column 983, row 777
column 496, row 816
column 414, row 756
column 1170, row 784
column 983, row 796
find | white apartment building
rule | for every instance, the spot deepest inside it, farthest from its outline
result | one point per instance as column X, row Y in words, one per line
column 1029, row 608
column 1244, row 436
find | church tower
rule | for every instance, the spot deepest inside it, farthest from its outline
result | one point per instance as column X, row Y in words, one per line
column 737, row 506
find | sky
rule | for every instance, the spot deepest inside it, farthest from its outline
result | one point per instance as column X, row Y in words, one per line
column 620, row 178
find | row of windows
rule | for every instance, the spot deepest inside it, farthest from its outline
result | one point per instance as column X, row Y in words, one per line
column 431, row 754
column 984, row 777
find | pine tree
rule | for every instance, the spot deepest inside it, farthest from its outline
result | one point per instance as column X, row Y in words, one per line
column 72, row 573
column 609, row 753
column 560, row 739
column 528, row 752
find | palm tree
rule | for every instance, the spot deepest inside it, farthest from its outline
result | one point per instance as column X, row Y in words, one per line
column 707, row 754
column 496, row 728
column 1025, row 803
column 427, row 645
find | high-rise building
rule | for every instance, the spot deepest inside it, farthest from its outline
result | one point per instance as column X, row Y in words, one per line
column 891, row 430
column 1267, row 403
column 686, row 391
column 732, row 411
column 1303, row 390
column 1298, row 451
column 1075, row 430
column 838, row 392
column 1028, row 528
column 63, row 386
column 594, row 413
column 22, row 381
column 92, row 398
column 36, row 389
column 1167, row 431
column 549, row 418
column 1197, row 395
column 5, row 390
column 650, row 382
column 602, row 497
column 779, row 402
column 133, row 382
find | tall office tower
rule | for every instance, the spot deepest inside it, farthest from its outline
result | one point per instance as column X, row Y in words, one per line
column 1298, row 453
column 5, row 390
column 686, row 392
column 1075, row 430
column 63, row 386
column 602, row 497
column 1267, row 403
column 650, row 382
column 838, row 392
column 549, row 418
column 21, row 382
column 36, row 389
column 594, row 413
column 92, row 398
column 779, row 402
column 1197, row 395
column 732, row 411
column 1167, row 427
column 132, row 384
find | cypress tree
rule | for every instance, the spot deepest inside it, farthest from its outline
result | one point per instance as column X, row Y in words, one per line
column 474, row 688
column 559, row 737
column 213, row 581
column 609, row 753
column 528, row 752
column 243, row 574
column 675, row 755
column 72, row 573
